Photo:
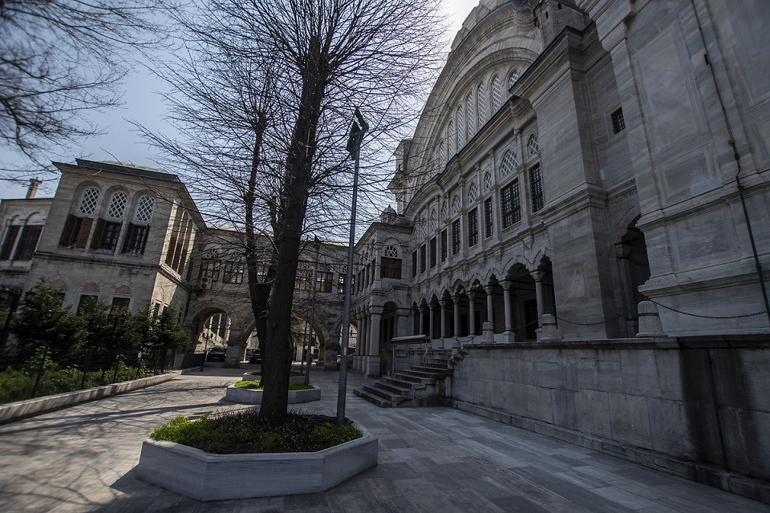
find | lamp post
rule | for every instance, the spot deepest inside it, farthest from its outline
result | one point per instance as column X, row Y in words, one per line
column 309, row 354
column 357, row 131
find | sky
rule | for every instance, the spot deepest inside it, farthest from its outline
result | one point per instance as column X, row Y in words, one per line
column 142, row 103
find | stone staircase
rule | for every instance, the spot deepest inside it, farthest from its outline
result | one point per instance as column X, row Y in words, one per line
column 424, row 384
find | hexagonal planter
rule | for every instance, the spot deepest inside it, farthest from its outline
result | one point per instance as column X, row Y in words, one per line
column 292, row 379
column 247, row 396
column 209, row 477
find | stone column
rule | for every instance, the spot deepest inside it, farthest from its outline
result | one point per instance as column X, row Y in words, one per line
column 431, row 315
column 506, row 284
column 538, row 277
column 456, row 303
column 622, row 252
column 373, row 360
column 443, row 304
column 490, row 290
column 471, row 314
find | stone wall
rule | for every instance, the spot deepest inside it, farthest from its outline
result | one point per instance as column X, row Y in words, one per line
column 695, row 407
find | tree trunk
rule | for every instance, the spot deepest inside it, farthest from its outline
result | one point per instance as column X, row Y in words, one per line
column 291, row 217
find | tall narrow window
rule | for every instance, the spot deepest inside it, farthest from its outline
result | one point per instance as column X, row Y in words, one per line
column 233, row 272
column 510, row 203
column 456, row 236
column 451, row 142
column 9, row 241
column 470, row 117
column 28, row 242
column 473, row 227
column 77, row 227
column 324, row 281
column 433, row 252
column 120, row 305
column 536, row 186
column 422, row 258
column 414, row 263
column 444, row 247
column 139, row 228
column 481, row 102
column 460, row 129
column 618, row 122
column 497, row 93
column 209, row 271
column 488, row 217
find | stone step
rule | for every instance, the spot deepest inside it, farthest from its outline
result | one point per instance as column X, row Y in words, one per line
column 379, row 401
column 416, row 380
column 381, row 392
column 430, row 368
column 395, row 388
column 430, row 375
column 401, row 383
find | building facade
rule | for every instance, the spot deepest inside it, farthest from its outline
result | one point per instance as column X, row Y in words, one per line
column 581, row 217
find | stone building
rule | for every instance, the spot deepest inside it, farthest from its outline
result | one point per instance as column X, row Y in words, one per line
column 580, row 218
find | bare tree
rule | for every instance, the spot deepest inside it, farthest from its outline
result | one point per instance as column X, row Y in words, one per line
column 305, row 64
column 60, row 59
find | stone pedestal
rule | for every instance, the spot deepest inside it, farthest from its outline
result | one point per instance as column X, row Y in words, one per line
column 371, row 366
column 548, row 332
column 649, row 321
column 488, row 336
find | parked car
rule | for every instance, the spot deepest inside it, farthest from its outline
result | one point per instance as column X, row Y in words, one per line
column 216, row 354
column 255, row 356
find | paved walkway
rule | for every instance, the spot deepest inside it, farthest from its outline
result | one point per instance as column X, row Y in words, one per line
column 431, row 460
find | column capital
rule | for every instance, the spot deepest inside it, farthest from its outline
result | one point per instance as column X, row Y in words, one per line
column 506, row 284
column 537, row 275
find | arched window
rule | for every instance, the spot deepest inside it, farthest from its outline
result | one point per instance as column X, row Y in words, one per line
column 117, row 206
column 456, row 204
column 433, row 221
column 136, row 238
column 487, row 181
column 473, row 193
column 390, row 251
column 460, row 129
column 508, row 163
column 497, row 93
column 481, row 98
column 450, row 136
column 144, row 207
column 440, row 157
column 470, row 116
column 513, row 78
column 532, row 147
column 444, row 211
column 88, row 200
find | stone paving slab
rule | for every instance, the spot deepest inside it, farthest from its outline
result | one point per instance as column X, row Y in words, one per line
column 432, row 460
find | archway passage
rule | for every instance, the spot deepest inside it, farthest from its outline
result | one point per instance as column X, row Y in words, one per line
column 212, row 331
column 301, row 332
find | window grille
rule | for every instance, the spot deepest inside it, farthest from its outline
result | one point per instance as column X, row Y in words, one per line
column 618, row 122
column 509, row 162
column 488, row 217
column 497, row 93
column 390, row 251
column 513, row 78
column 456, row 236
column 117, row 207
column 487, row 181
column 450, row 136
column 536, row 185
column 470, row 116
column 473, row 193
column 481, row 99
column 88, row 201
column 433, row 252
column 473, row 227
column 144, row 207
column 444, row 248
column 460, row 129
column 510, row 203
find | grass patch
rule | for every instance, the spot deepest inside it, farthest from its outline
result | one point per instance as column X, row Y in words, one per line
column 257, row 385
column 242, row 432
column 259, row 373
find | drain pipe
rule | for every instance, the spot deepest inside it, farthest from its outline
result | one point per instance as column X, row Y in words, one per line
column 737, row 158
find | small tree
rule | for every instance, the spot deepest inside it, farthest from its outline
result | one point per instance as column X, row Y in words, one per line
column 44, row 322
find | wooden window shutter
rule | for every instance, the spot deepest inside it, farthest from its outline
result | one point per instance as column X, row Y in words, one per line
column 67, row 235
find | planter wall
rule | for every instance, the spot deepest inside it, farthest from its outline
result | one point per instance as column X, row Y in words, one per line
column 21, row 409
column 209, row 477
column 246, row 396
column 292, row 379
